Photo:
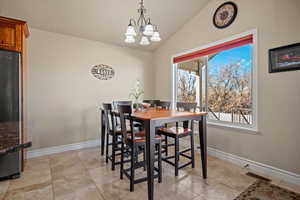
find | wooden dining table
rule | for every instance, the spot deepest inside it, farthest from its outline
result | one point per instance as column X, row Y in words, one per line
column 154, row 117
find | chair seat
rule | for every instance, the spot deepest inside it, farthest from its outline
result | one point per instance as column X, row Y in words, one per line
column 139, row 137
column 175, row 130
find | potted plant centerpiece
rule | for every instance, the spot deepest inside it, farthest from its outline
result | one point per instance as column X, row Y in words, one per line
column 136, row 92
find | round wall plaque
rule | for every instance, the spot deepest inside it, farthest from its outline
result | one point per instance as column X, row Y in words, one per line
column 103, row 72
column 225, row 14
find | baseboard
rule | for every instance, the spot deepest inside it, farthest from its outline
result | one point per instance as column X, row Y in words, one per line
column 62, row 148
column 257, row 167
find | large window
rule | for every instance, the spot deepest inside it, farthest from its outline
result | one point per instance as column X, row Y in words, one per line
column 220, row 79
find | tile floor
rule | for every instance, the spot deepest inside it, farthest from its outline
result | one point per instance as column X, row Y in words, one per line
column 84, row 175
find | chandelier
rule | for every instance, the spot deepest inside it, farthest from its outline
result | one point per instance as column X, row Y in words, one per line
column 142, row 29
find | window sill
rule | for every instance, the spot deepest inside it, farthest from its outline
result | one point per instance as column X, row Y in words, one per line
column 251, row 130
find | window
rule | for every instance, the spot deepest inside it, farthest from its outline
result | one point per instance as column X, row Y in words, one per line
column 220, row 78
column 229, row 85
column 188, row 82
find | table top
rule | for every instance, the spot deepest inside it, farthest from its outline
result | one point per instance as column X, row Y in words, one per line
column 155, row 114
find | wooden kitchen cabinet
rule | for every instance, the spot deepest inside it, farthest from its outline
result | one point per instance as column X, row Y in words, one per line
column 11, row 33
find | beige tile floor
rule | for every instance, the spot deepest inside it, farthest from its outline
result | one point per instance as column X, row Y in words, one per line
column 84, row 175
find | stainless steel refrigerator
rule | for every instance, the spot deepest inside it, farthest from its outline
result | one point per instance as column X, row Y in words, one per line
column 10, row 115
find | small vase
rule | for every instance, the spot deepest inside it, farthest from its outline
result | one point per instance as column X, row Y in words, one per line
column 136, row 105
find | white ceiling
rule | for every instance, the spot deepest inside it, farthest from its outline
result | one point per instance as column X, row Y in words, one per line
column 101, row 20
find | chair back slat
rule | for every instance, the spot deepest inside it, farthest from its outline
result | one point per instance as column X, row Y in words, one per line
column 125, row 112
column 109, row 117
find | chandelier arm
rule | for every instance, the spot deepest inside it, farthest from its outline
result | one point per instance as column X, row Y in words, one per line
column 138, row 21
column 132, row 22
column 142, row 18
column 148, row 20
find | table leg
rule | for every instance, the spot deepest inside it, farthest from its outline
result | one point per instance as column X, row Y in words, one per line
column 203, row 145
column 102, row 132
column 150, row 151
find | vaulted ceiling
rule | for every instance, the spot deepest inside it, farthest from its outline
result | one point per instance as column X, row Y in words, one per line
column 101, row 20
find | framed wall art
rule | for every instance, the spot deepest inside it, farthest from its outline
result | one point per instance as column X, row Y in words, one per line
column 285, row 58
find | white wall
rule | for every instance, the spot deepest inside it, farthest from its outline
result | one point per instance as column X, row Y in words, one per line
column 63, row 95
column 277, row 21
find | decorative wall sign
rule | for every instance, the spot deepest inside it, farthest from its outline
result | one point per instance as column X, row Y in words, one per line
column 103, row 72
column 284, row 58
column 225, row 14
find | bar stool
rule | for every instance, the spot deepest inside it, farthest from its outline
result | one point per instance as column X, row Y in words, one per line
column 113, row 131
column 180, row 132
column 133, row 144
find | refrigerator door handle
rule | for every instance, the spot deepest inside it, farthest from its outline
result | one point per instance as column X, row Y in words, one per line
column 15, row 148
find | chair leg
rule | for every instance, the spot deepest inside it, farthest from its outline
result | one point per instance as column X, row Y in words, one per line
column 132, row 166
column 107, row 142
column 192, row 150
column 122, row 161
column 159, row 163
column 176, row 155
column 114, row 143
column 144, row 158
column 166, row 147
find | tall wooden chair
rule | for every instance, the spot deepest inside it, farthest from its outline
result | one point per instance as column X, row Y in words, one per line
column 113, row 132
column 133, row 144
column 177, row 133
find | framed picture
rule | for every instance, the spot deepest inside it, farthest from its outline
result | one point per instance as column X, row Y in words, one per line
column 284, row 58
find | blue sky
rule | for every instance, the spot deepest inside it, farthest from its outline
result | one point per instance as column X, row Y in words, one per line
column 241, row 54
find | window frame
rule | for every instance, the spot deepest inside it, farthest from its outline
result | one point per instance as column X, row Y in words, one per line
column 253, row 128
